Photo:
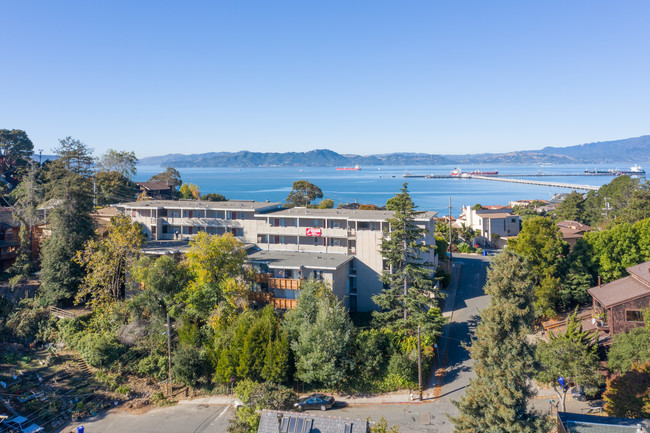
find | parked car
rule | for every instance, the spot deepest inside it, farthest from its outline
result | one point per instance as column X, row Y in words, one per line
column 315, row 401
column 22, row 425
column 581, row 393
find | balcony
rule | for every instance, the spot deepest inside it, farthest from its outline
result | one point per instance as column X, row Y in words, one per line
column 301, row 231
column 268, row 298
column 284, row 283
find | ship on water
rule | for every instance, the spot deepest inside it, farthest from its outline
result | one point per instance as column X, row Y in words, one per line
column 635, row 170
column 355, row 168
column 457, row 172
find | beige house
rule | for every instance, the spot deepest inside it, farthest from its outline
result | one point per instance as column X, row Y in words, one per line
column 492, row 224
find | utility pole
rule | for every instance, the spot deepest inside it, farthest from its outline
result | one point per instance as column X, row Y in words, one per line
column 94, row 193
column 169, row 355
column 419, row 365
column 40, row 156
column 450, row 258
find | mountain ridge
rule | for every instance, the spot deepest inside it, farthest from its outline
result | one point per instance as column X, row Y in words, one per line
column 636, row 149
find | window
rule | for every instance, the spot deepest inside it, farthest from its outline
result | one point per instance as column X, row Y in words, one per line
column 348, row 427
column 514, row 220
column 633, row 316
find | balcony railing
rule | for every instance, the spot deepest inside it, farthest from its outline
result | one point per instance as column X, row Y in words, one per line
column 284, row 283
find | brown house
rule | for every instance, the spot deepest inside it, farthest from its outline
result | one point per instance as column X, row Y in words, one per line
column 620, row 304
column 157, row 190
column 572, row 231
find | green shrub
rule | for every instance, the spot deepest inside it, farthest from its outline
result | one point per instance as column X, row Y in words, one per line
column 403, row 367
column 154, row 365
column 190, row 365
column 100, row 350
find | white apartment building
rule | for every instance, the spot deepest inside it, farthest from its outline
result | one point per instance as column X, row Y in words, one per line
column 489, row 222
column 339, row 246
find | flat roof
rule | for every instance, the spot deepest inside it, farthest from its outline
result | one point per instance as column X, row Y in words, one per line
column 619, row 291
column 349, row 214
column 202, row 204
column 496, row 215
column 581, row 423
column 165, row 247
column 296, row 260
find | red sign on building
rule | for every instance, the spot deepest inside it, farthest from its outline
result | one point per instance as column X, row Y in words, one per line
column 313, row 232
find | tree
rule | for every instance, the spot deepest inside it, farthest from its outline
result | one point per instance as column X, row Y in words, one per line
column 572, row 355
column 70, row 190
column 321, row 336
column 121, row 162
column 218, row 279
column 256, row 397
column 477, row 206
column 382, row 427
column 496, row 400
column 213, row 197
column 468, row 233
column 254, row 346
column 327, row 203
column 628, row 395
column 630, row 348
column 571, row 208
column 638, row 207
column 408, row 298
column 27, row 196
column 616, row 249
column 303, row 193
column 108, row 260
column 170, row 175
column 579, row 276
column 16, row 150
column 540, row 243
column 190, row 191
column 112, row 187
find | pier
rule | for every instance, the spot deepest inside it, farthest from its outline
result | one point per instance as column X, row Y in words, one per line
column 536, row 182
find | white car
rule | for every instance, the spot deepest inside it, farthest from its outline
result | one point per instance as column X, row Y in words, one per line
column 20, row 423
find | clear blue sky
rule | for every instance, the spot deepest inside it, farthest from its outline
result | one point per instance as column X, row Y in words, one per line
column 356, row 77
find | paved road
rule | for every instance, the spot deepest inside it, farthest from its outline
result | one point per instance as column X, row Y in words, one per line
column 200, row 418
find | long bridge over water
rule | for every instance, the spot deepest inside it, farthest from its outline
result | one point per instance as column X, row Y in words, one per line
column 536, row 182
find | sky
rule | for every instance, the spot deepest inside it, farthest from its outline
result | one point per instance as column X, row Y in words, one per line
column 360, row 77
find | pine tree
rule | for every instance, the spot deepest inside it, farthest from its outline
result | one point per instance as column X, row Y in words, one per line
column 409, row 293
column 70, row 188
column 496, row 400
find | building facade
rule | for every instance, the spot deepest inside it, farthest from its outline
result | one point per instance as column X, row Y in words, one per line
column 492, row 224
column 287, row 246
column 620, row 303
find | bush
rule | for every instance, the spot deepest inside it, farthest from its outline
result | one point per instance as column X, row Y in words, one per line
column 100, row 350
column 403, row 367
column 154, row 365
column 190, row 365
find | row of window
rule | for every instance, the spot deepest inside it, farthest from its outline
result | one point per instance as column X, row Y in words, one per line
column 187, row 213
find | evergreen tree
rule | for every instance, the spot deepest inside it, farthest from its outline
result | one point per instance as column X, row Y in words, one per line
column 572, row 355
column 571, row 208
column 69, row 187
column 628, row 395
column 409, row 293
column 16, row 150
column 321, row 335
column 496, row 400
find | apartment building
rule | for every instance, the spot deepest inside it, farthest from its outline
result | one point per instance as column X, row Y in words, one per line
column 183, row 219
column 500, row 221
column 287, row 246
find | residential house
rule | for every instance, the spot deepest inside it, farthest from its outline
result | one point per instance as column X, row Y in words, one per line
column 273, row 421
column 568, row 422
column 9, row 238
column 157, row 190
column 619, row 305
column 495, row 224
column 572, row 231
column 339, row 246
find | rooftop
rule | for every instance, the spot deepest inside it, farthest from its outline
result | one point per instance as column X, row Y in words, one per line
column 579, row 423
column 292, row 422
column 154, row 186
column 250, row 205
column 296, row 260
column 641, row 271
column 496, row 215
column 349, row 214
column 619, row 291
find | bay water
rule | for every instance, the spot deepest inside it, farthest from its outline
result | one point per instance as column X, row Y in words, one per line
column 375, row 185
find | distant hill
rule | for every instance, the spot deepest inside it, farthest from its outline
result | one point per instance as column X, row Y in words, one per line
column 628, row 150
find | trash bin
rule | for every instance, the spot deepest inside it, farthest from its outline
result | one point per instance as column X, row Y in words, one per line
column 484, row 253
column 80, row 429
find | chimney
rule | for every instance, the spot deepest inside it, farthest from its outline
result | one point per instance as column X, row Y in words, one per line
column 598, row 280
